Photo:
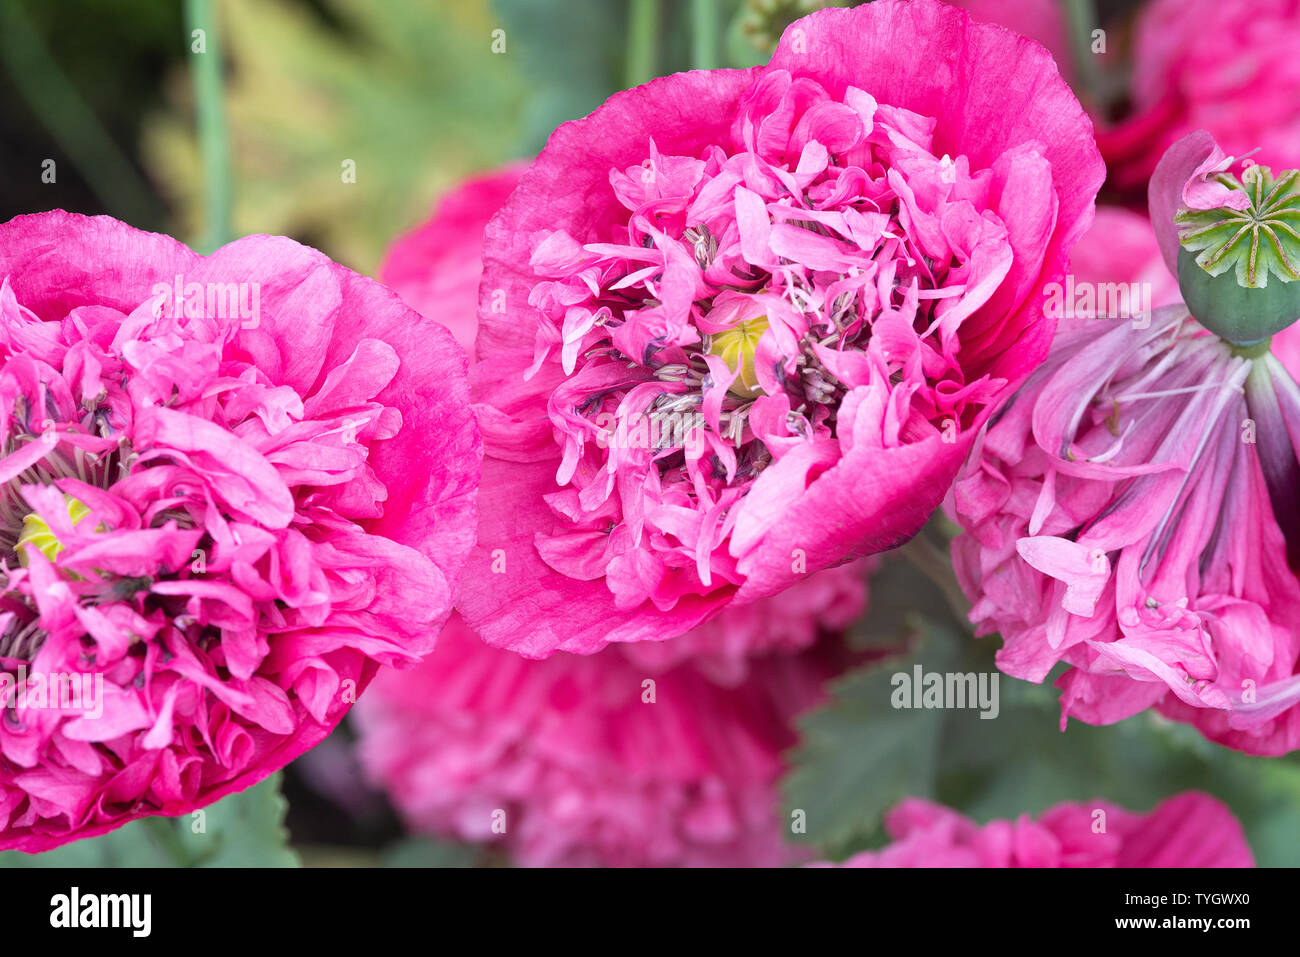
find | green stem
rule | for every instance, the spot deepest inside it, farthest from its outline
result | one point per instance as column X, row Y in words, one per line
column 937, row 566
column 71, row 122
column 214, row 135
column 1081, row 18
column 642, row 41
column 1252, row 350
column 704, row 34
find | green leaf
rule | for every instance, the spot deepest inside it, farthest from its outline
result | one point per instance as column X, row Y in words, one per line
column 898, row 589
column 1022, row 763
column 859, row 754
column 242, row 830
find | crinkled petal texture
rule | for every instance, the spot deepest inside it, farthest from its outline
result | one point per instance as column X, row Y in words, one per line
column 1229, row 68
column 740, row 326
column 1043, row 21
column 436, row 267
column 1189, row 830
column 230, row 488
column 589, row 760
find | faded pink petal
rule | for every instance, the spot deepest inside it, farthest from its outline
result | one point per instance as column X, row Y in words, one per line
column 1084, row 571
column 1130, row 515
column 1180, row 180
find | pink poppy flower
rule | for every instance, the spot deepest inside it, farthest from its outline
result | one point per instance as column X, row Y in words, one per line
column 740, row 326
column 577, row 768
column 233, row 486
column 1189, row 830
column 589, row 760
column 1226, row 66
column 436, row 269
column 1132, row 512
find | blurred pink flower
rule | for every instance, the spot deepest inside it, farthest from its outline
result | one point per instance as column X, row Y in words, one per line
column 589, row 760
column 722, row 648
column 1226, row 66
column 1133, row 512
column 826, row 271
column 435, row 267
column 1121, row 247
column 219, row 513
column 1189, row 830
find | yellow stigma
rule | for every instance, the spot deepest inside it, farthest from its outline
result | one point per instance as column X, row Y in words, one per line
column 736, row 348
column 37, row 533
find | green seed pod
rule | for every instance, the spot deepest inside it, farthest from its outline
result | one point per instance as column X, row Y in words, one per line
column 1239, row 270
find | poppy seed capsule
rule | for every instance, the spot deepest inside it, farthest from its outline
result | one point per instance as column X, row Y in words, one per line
column 1226, row 256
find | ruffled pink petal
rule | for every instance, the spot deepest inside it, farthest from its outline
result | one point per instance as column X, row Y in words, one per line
column 278, row 486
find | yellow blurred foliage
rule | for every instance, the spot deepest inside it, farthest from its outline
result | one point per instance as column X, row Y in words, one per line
column 407, row 93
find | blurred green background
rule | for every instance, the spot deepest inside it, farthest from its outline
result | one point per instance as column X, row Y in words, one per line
column 416, row 93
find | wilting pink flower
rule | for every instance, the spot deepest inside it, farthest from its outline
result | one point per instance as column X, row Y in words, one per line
column 740, row 326
column 436, row 269
column 232, row 487
column 588, row 760
column 1189, row 830
column 1226, row 66
column 1133, row 513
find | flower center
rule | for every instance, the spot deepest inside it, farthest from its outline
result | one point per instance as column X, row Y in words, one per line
column 737, row 347
column 38, row 534
column 1255, row 241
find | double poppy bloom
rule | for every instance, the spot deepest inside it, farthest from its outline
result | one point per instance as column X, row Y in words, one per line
column 740, row 326
column 231, row 487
